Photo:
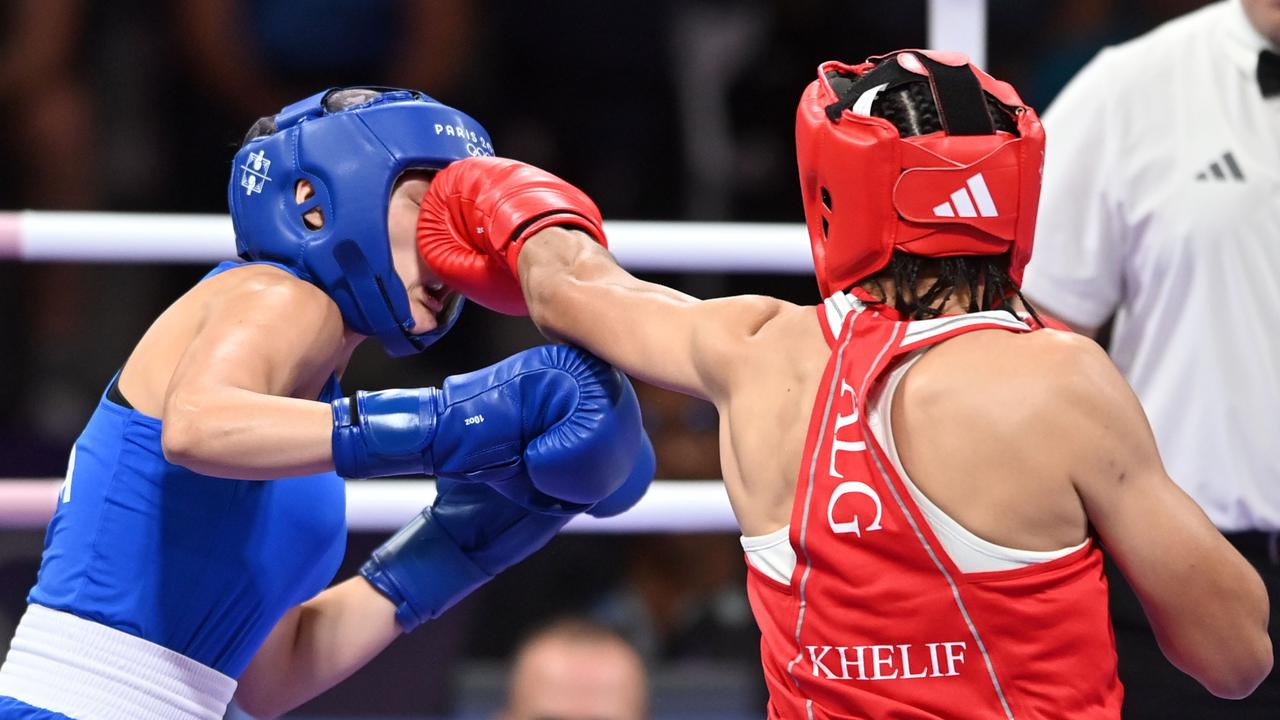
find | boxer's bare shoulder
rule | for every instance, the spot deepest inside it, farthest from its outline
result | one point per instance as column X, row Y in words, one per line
column 765, row 412
column 1045, row 418
column 996, row 417
column 254, row 311
column 748, row 340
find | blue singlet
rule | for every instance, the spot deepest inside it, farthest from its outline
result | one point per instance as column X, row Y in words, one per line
column 201, row 565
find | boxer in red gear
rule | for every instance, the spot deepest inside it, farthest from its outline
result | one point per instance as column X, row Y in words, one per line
column 925, row 478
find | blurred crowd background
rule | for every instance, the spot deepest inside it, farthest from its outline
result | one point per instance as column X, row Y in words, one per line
column 671, row 110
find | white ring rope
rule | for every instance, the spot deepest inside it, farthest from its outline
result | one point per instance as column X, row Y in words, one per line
column 101, row 237
column 372, row 505
column 959, row 25
column 385, row 505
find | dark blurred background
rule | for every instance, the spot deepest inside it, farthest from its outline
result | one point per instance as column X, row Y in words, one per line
column 659, row 110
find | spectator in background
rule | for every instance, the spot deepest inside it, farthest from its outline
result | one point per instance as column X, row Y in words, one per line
column 685, row 430
column 1161, row 210
column 570, row 79
column 49, row 137
column 244, row 55
column 266, row 53
column 574, row 669
column 48, row 117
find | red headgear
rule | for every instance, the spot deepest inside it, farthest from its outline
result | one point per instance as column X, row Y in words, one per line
column 965, row 190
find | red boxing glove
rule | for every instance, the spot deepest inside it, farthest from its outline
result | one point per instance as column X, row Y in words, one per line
column 476, row 216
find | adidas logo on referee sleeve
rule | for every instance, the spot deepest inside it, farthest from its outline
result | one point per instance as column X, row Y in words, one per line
column 1221, row 168
column 963, row 201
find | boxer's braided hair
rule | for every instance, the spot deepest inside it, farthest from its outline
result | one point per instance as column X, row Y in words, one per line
column 911, row 109
column 333, row 102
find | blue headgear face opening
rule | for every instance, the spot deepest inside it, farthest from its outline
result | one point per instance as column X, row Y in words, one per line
column 352, row 158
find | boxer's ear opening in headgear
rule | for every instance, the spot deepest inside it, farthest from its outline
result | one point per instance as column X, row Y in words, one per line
column 312, row 217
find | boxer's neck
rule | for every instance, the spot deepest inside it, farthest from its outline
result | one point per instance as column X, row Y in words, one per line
column 885, row 290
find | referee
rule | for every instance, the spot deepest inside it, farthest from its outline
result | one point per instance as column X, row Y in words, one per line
column 1161, row 210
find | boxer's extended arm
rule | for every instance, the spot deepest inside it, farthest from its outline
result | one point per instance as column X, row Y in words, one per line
column 578, row 293
column 316, row 646
column 469, row 534
column 518, row 239
column 226, row 411
column 1207, row 606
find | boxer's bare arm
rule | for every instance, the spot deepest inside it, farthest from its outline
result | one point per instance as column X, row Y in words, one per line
column 758, row 359
column 577, row 292
column 316, row 646
column 227, row 409
column 1208, row 607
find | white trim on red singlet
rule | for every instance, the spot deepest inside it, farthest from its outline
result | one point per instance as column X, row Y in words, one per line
column 771, row 554
column 937, row 562
column 808, row 501
column 968, row 552
column 921, row 330
column 837, row 307
column 813, row 465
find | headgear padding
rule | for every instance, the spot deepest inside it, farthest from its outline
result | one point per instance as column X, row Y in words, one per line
column 352, row 157
column 967, row 189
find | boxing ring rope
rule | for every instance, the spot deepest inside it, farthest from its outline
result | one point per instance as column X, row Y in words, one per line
column 385, row 505
column 959, row 25
column 100, row 237
column 382, row 505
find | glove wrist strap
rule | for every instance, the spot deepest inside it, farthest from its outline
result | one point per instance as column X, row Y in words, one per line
column 422, row 571
column 385, row 433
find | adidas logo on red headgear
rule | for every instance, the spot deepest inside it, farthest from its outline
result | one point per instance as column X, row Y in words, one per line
column 963, row 200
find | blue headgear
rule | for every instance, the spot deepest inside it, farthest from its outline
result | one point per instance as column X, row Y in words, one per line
column 352, row 158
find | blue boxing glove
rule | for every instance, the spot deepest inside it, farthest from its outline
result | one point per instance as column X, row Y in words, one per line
column 528, row 426
column 633, row 488
column 470, row 534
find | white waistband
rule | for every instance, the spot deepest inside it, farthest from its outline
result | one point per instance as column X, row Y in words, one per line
column 88, row 671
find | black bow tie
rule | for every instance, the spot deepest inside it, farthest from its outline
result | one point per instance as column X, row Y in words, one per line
column 1269, row 73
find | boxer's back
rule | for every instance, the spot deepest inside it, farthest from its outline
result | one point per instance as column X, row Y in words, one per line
column 764, row 422
column 883, row 604
column 968, row 396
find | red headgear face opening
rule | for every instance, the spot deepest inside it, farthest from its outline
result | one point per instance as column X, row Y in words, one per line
column 966, row 189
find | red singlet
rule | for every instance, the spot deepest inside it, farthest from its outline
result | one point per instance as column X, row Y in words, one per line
column 877, row 622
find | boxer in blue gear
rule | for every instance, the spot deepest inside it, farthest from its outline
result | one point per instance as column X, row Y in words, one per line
column 475, row 546
column 481, row 426
column 202, row 518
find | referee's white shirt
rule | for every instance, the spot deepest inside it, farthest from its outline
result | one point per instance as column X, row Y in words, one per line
column 1161, row 204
